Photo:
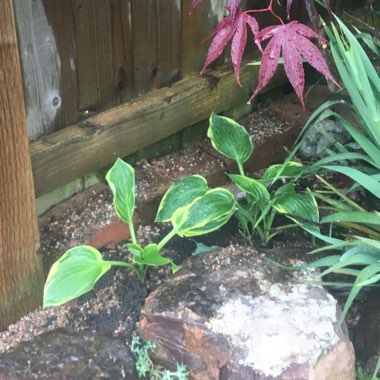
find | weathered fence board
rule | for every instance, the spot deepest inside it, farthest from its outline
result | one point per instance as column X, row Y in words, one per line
column 122, row 49
column 89, row 145
column 93, row 26
column 144, row 25
column 168, row 41
column 62, row 23
column 41, row 65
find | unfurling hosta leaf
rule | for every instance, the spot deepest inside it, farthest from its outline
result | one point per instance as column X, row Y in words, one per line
column 74, row 274
column 121, row 178
column 254, row 189
column 151, row 256
column 180, row 194
column 291, row 169
column 293, row 41
column 301, row 208
column 205, row 214
column 230, row 138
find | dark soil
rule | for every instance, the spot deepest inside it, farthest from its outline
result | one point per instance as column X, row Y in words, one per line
column 113, row 307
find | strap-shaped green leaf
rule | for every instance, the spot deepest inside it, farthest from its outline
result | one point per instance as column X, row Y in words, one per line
column 230, row 138
column 121, row 178
column 180, row 194
column 205, row 214
column 74, row 274
column 353, row 216
column 365, row 180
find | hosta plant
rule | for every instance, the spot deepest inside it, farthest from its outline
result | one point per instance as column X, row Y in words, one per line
column 189, row 205
column 272, row 194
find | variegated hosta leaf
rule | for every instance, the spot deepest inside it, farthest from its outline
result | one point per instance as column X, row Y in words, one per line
column 121, row 179
column 151, row 256
column 254, row 189
column 180, row 194
column 301, row 208
column 74, row 274
column 205, row 214
column 292, row 169
column 230, row 138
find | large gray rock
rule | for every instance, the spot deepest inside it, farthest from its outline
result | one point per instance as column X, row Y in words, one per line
column 62, row 355
column 231, row 314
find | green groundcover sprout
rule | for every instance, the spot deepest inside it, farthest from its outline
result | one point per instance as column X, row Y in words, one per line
column 145, row 366
column 189, row 205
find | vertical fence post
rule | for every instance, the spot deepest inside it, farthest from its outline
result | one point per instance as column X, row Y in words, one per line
column 21, row 274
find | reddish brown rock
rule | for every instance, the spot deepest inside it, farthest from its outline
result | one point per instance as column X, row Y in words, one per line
column 109, row 235
column 231, row 314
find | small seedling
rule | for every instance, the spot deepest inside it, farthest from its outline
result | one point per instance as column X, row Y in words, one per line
column 192, row 208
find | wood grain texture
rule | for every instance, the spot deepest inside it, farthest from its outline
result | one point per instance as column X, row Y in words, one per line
column 62, row 22
column 195, row 29
column 41, row 65
column 90, row 145
column 21, row 276
column 122, row 50
column 94, row 53
column 168, row 42
column 145, row 59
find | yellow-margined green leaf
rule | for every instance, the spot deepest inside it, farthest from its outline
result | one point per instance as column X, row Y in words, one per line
column 291, row 169
column 205, row 214
column 252, row 187
column 121, row 178
column 74, row 274
column 230, row 138
column 301, row 208
column 151, row 256
column 180, row 194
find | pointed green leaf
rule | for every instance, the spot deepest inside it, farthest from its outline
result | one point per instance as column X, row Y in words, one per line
column 121, row 178
column 180, row 194
column 205, row 214
column 151, row 256
column 290, row 169
column 202, row 248
column 135, row 249
column 230, row 138
column 301, row 208
column 254, row 188
column 74, row 274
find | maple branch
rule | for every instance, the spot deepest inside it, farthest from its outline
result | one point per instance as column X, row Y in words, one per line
column 269, row 8
column 315, row 20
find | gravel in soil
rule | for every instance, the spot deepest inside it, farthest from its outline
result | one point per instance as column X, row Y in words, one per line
column 113, row 307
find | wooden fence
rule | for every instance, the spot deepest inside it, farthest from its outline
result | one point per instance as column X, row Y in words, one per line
column 80, row 57
column 87, row 63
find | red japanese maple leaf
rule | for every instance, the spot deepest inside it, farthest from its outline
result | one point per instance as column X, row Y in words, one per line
column 233, row 26
column 293, row 41
column 232, row 5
